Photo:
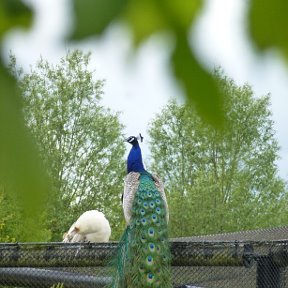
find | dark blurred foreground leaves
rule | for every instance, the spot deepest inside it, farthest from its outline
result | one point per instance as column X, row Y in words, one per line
column 146, row 17
column 13, row 13
column 268, row 24
column 20, row 168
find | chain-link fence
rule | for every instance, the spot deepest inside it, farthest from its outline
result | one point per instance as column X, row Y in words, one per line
column 247, row 259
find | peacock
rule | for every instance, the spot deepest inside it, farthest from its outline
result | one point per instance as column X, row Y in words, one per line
column 143, row 255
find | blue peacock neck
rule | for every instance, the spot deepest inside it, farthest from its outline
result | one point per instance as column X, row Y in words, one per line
column 134, row 161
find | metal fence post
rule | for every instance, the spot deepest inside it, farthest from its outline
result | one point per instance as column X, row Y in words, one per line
column 268, row 273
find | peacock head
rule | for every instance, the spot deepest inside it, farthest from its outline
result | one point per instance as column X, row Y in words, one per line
column 134, row 160
column 133, row 140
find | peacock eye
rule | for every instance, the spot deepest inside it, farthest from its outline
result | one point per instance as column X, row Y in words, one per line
column 151, row 247
column 143, row 239
column 149, row 260
column 130, row 139
column 151, row 232
column 152, row 204
column 150, row 279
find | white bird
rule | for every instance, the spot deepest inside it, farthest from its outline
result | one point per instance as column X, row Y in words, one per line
column 91, row 226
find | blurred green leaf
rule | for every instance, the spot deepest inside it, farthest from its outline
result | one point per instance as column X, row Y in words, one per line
column 200, row 87
column 145, row 17
column 181, row 13
column 268, row 24
column 13, row 13
column 20, row 168
column 93, row 16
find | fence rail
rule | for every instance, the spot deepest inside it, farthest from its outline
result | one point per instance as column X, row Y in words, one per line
column 207, row 264
column 93, row 255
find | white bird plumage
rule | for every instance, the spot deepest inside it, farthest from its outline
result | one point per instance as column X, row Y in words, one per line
column 91, row 226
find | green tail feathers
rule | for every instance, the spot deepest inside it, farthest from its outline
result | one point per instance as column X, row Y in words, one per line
column 150, row 253
column 144, row 252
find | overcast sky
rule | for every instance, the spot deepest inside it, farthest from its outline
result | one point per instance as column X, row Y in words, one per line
column 141, row 85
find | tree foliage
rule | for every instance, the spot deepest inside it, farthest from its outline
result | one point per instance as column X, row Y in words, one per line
column 78, row 139
column 5, row 215
column 220, row 180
